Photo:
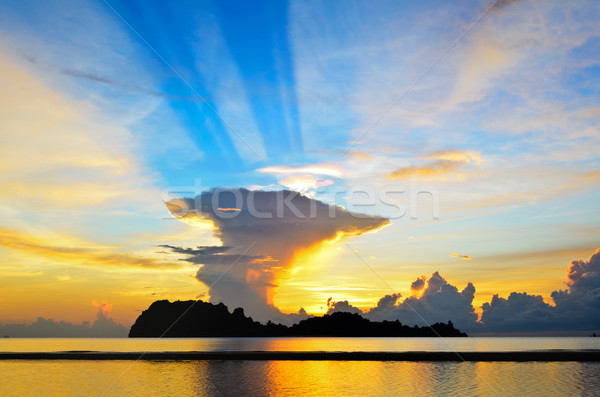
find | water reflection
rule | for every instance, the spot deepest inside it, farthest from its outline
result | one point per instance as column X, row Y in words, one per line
column 329, row 378
column 394, row 378
column 298, row 344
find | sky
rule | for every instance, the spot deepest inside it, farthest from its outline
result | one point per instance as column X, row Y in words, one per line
column 457, row 141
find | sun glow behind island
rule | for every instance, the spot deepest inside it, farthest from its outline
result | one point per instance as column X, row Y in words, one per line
column 274, row 236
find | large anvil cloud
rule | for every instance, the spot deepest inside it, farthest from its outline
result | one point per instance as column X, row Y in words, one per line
column 261, row 233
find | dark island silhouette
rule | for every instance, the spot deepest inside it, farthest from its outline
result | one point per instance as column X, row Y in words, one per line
column 183, row 319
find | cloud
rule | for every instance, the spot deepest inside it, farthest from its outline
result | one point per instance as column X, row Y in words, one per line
column 576, row 308
column 304, row 178
column 520, row 312
column 436, row 168
column 418, row 284
column 532, row 72
column 360, row 156
column 76, row 251
column 439, row 302
column 445, row 163
column 460, row 156
column 213, row 255
column 105, row 308
column 484, row 61
column 81, row 161
column 108, row 81
column 103, row 327
column 384, row 305
column 315, row 169
column 342, row 306
column 582, row 275
column 505, row 3
column 304, row 183
column 459, row 256
column 261, row 241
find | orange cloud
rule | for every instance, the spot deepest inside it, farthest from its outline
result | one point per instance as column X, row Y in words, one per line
column 580, row 270
column 263, row 260
column 465, row 257
column 461, row 156
column 103, row 307
column 446, row 162
column 590, row 175
column 418, row 285
column 436, row 168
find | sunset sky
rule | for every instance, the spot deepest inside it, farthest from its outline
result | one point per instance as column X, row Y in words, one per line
column 109, row 110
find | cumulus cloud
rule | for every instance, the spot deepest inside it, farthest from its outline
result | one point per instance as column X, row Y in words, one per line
column 576, row 308
column 418, row 284
column 103, row 327
column 384, row 305
column 520, row 312
column 342, row 306
column 582, row 275
column 262, row 237
column 261, row 240
column 438, row 302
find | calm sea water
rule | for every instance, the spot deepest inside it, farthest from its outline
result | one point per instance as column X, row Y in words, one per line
column 329, row 378
column 296, row 344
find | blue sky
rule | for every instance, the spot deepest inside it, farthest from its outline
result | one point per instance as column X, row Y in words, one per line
column 496, row 111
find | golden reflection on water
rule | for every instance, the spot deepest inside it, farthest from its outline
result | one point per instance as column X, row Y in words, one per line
column 329, row 378
column 296, row 344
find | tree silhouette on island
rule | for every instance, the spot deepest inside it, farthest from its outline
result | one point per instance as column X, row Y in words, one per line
column 202, row 319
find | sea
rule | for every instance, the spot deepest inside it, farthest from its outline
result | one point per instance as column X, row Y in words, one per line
column 283, row 378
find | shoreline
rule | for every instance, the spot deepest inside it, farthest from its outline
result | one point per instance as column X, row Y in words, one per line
column 522, row 356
